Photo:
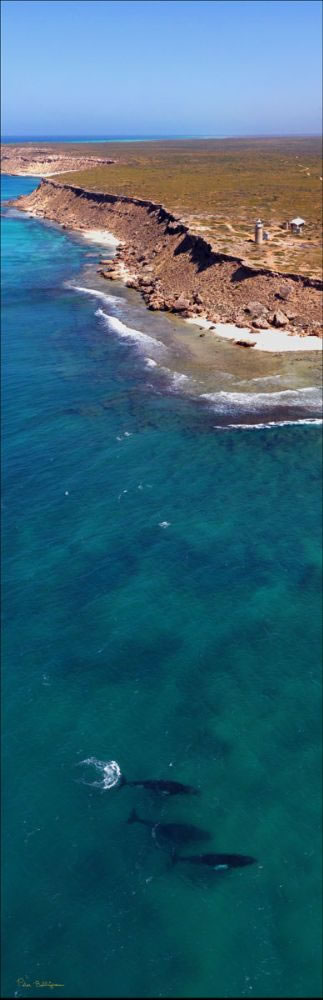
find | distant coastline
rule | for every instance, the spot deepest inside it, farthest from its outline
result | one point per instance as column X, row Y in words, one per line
column 151, row 138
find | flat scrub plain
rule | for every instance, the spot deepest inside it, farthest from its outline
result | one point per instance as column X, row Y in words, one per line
column 219, row 187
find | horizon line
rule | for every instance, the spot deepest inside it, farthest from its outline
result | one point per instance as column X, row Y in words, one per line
column 158, row 136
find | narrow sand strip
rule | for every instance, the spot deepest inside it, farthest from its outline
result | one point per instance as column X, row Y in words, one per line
column 273, row 340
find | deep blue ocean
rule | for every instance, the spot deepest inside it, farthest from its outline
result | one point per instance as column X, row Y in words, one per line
column 162, row 609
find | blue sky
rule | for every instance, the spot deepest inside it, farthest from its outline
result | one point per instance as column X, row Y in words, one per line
column 204, row 67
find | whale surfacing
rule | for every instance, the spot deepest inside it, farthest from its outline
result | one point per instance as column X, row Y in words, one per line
column 177, row 833
column 219, row 862
column 161, row 787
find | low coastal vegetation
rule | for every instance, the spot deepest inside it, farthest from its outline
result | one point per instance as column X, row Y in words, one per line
column 220, row 187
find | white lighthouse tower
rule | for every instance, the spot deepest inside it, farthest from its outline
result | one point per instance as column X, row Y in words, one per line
column 259, row 231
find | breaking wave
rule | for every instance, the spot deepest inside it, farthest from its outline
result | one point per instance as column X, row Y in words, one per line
column 122, row 330
column 287, row 406
column 318, row 421
column 110, row 300
column 178, row 381
column 150, row 363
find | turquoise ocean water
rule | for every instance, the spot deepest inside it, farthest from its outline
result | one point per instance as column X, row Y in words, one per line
column 161, row 598
column 100, row 138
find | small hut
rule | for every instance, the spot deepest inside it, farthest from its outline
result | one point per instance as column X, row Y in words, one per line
column 296, row 225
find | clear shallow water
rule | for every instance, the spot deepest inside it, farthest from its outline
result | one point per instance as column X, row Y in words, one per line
column 190, row 651
column 253, row 387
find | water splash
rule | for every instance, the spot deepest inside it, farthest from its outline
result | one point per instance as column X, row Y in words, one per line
column 109, row 769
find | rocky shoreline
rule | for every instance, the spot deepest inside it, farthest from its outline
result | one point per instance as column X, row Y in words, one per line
column 177, row 271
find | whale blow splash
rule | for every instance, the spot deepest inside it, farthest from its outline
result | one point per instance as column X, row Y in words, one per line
column 109, row 769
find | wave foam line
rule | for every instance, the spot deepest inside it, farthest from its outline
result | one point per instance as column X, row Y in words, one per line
column 122, row 330
column 255, row 402
column 177, row 379
column 101, row 236
column 95, row 293
column 270, row 423
column 262, row 378
column 150, row 363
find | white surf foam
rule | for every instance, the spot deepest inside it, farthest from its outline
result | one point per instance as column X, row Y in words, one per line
column 150, row 363
column 263, row 378
column 122, row 330
column 101, row 236
column 270, row 423
column 227, row 402
column 178, row 379
column 97, row 294
column 13, row 213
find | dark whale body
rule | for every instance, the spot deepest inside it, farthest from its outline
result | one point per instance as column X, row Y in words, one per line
column 178, row 833
column 161, row 787
column 219, row 862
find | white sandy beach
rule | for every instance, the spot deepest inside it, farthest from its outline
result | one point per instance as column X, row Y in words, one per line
column 273, row 340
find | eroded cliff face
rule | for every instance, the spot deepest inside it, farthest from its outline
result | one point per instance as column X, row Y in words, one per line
column 177, row 270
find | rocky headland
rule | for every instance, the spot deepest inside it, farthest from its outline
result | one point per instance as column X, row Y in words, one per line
column 176, row 270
